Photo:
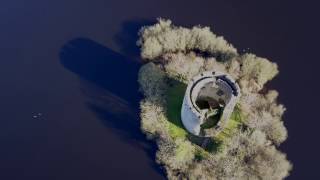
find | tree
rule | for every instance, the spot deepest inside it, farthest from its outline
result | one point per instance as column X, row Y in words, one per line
column 182, row 67
column 256, row 70
column 152, row 81
column 164, row 37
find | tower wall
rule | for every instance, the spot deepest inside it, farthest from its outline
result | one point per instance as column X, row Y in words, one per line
column 192, row 116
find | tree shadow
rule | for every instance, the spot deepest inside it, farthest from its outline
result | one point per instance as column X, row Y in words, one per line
column 109, row 81
column 128, row 35
column 175, row 95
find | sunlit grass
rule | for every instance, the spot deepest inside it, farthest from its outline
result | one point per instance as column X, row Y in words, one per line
column 174, row 99
column 232, row 125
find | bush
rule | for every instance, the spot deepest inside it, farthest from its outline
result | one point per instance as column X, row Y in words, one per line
column 256, row 71
column 247, row 156
column 152, row 119
column 182, row 67
column 268, row 163
column 233, row 67
column 164, row 37
column 264, row 113
column 152, row 81
column 177, row 156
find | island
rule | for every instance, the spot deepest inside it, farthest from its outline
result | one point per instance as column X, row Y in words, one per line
column 207, row 107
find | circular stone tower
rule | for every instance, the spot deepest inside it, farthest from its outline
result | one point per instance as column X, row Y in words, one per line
column 208, row 103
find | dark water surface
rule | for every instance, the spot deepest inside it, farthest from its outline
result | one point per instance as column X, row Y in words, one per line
column 69, row 99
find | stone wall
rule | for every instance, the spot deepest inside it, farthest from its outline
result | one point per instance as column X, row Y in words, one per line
column 192, row 116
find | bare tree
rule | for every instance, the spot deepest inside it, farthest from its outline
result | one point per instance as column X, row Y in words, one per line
column 163, row 37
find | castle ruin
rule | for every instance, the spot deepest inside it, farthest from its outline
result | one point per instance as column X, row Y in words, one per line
column 208, row 103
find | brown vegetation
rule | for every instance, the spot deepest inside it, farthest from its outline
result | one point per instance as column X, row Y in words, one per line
column 248, row 153
column 164, row 37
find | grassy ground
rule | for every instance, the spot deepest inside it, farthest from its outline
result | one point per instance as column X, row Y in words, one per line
column 232, row 125
column 175, row 95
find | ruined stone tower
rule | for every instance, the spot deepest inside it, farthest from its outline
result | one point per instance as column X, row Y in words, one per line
column 208, row 103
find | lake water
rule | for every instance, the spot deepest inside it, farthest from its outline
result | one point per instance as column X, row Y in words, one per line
column 69, row 96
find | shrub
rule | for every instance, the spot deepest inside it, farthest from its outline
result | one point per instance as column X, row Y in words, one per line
column 152, row 81
column 268, row 163
column 182, row 67
column 265, row 114
column 213, row 65
column 164, row 37
column 152, row 119
column 256, row 71
column 247, row 156
column 176, row 155
column 233, row 68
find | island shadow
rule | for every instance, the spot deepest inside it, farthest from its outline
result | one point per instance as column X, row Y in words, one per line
column 109, row 81
column 127, row 37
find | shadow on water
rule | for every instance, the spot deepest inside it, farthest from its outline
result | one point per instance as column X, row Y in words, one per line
column 128, row 35
column 110, row 84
